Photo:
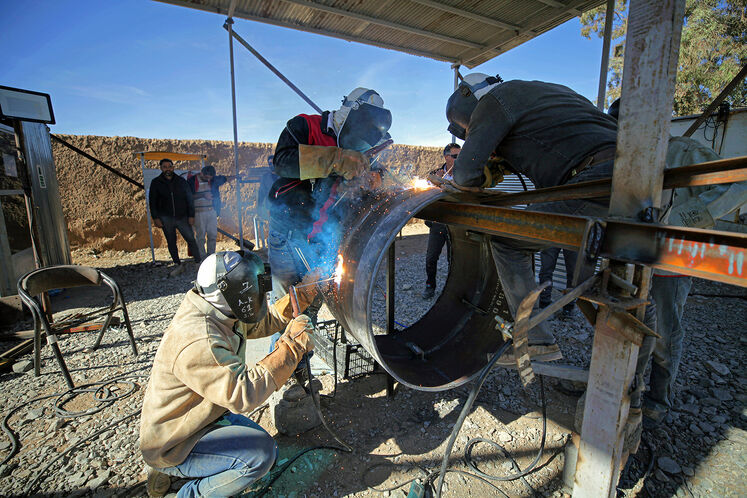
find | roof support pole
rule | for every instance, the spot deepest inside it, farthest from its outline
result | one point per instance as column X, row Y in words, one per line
column 650, row 66
column 456, row 85
column 609, row 14
column 229, row 27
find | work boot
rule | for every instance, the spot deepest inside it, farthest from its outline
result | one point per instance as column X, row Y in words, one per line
column 178, row 270
column 158, row 483
column 549, row 352
column 429, row 292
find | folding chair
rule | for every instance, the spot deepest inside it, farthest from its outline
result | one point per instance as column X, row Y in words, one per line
column 36, row 282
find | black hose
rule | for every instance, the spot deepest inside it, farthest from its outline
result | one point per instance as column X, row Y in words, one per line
column 521, row 473
column 315, row 398
column 465, row 412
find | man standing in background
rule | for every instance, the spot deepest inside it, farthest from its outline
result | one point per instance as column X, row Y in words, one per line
column 205, row 187
column 439, row 234
column 172, row 208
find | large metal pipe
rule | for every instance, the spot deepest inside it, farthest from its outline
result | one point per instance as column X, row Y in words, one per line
column 452, row 342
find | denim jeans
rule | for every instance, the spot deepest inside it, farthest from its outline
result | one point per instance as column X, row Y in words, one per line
column 548, row 262
column 206, row 227
column 514, row 259
column 170, row 226
column 670, row 294
column 437, row 237
column 226, row 460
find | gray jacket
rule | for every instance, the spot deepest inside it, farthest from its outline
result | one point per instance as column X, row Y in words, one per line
column 542, row 129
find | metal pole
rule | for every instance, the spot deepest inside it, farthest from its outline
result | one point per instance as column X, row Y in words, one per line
column 147, row 208
column 456, row 85
column 270, row 67
column 608, row 16
column 721, row 96
column 229, row 26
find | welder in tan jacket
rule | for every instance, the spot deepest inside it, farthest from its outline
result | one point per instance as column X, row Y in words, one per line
column 200, row 384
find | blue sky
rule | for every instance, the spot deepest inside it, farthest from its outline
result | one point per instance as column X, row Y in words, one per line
column 146, row 69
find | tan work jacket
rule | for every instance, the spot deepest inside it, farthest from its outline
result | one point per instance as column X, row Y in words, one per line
column 198, row 373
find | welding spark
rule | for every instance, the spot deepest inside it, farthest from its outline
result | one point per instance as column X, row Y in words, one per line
column 420, row 184
column 339, row 270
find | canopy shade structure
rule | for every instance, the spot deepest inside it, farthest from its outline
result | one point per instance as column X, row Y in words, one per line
column 174, row 156
column 462, row 32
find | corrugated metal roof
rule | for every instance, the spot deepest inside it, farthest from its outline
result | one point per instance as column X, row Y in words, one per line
column 467, row 32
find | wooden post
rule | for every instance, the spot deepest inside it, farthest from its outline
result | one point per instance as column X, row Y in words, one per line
column 651, row 49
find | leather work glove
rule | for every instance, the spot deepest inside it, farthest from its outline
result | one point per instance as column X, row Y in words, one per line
column 289, row 349
column 493, row 171
column 306, row 294
column 318, row 161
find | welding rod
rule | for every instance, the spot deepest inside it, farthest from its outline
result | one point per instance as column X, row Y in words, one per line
column 294, row 301
column 303, row 258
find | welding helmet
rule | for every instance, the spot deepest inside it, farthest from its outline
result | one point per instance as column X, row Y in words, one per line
column 362, row 121
column 463, row 101
column 239, row 280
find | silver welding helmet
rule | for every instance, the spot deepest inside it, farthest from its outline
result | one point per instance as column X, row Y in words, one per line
column 362, row 121
column 463, row 101
column 240, row 279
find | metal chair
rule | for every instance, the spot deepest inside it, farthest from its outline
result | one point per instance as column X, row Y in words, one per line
column 36, row 282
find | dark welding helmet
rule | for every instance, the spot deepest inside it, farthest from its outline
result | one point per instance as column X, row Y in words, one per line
column 241, row 278
column 366, row 120
column 463, row 101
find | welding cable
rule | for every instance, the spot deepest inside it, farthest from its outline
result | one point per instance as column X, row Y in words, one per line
column 465, row 411
column 104, row 402
column 521, row 473
column 427, row 477
column 315, row 398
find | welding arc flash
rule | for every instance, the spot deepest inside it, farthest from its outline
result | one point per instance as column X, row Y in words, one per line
column 339, row 270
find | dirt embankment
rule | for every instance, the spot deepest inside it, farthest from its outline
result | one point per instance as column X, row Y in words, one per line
column 104, row 211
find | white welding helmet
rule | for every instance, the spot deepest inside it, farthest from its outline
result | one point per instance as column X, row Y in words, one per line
column 362, row 121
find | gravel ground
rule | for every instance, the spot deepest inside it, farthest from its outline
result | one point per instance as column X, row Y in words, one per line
column 699, row 451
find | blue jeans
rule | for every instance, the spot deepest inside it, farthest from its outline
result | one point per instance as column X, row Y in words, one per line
column 170, row 226
column 226, row 460
column 514, row 259
column 670, row 294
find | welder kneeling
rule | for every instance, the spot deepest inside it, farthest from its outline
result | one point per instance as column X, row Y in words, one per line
column 200, row 384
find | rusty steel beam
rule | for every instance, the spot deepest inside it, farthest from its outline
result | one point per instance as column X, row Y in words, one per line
column 562, row 230
column 708, row 254
column 711, row 173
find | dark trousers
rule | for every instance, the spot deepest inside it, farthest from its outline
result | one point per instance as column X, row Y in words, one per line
column 170, row 226
column 548, row 261
column 437, row 237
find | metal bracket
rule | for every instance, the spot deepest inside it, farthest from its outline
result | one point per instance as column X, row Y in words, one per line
column 521, row 335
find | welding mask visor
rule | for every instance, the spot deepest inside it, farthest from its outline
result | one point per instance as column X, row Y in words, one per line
column 243, row 280
column 364, row 127
column 459, row 109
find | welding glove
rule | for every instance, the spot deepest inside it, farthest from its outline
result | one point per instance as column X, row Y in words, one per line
column 493, row 172
column 289, row 350
column 317, row 161
column 306, row 294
